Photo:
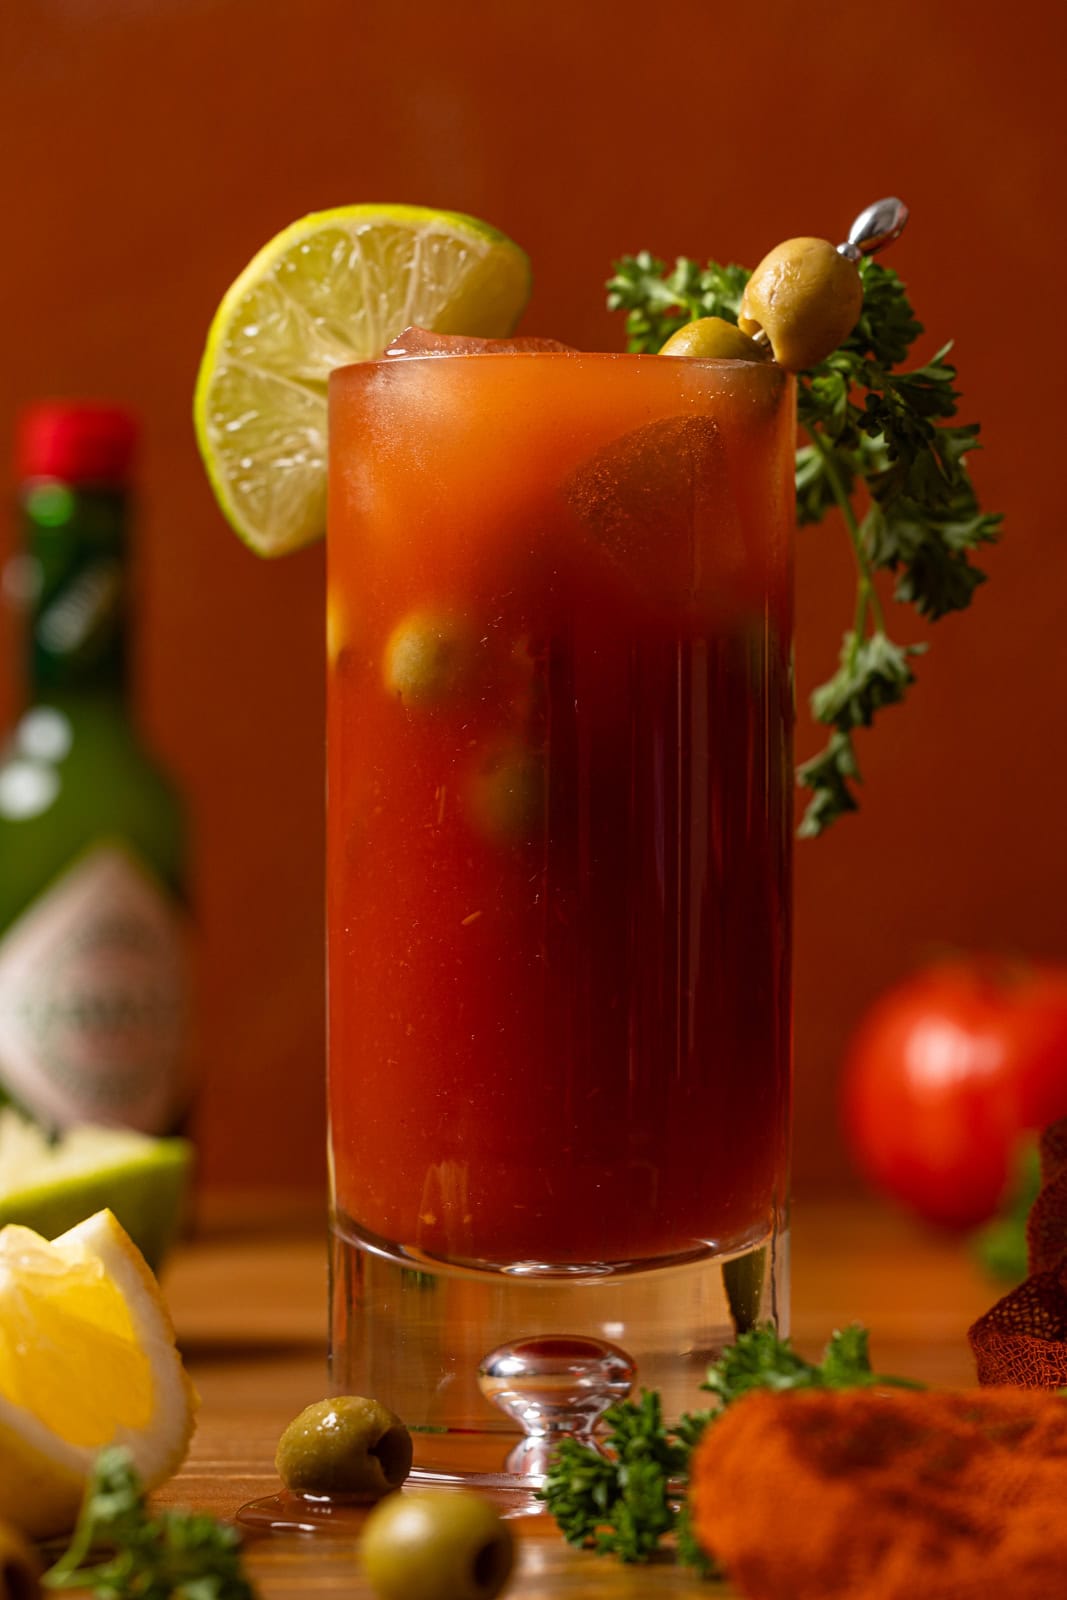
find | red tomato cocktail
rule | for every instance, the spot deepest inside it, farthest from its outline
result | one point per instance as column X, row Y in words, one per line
column 560, row 709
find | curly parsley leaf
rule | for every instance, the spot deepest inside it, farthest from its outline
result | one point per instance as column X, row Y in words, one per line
column 874, row 672
column 760, row 1360
column 658, row 301
column 175, row 1554
column 872, row 430
column 625, row 1502
column 619, row 1505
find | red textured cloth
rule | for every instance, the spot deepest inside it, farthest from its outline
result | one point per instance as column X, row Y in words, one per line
column 1023, row 1339
column 886, row 1495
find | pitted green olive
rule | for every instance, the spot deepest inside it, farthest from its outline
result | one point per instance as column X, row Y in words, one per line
column 437, row 1545
column 806, row 297
column 713, row 339
column 20, row 1569
column 429, row 658
column 506, row 792
column 346, row 1445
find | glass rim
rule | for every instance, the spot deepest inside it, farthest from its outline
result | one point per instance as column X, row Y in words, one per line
column 627, row 356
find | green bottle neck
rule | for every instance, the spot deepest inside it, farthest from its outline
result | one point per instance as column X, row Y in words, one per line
column 73, row 589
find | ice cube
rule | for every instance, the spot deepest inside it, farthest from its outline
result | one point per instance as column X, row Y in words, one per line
column 658, row 503
column 422, row 342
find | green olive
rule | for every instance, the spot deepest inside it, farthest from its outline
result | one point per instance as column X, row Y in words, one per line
column 713, row 339
column 346, row 1445
column 506, row 792
column 20, row 1569
column 429, row 658
column 806, row 297
column 443, row 1545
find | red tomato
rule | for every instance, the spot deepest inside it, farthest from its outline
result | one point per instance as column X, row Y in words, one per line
column 945, row 1074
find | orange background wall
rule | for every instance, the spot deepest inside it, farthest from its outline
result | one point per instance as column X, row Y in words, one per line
column 150, row 146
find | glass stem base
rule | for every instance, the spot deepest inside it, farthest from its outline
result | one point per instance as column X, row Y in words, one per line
column 414, row 1337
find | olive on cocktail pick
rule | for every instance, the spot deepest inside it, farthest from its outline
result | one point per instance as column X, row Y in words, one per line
column 713, row 338
column 806, row 296
column 345, row 1445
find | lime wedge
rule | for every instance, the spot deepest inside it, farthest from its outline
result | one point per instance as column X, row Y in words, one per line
column 52, row 1187
column 333, row 288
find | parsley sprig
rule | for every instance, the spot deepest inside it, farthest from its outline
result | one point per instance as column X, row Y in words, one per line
column 881, row 447
column 175, row 1554
column 625, row 1503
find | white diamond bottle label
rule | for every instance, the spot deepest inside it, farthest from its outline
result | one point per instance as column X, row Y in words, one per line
column 93, row 998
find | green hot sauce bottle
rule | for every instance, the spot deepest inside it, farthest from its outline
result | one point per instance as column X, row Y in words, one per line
column 93, row 958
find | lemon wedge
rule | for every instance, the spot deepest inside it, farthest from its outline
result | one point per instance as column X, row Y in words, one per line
column 87, row 1359
column 333, row 288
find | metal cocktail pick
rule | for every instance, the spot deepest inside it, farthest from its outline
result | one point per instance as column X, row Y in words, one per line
column 874, row 228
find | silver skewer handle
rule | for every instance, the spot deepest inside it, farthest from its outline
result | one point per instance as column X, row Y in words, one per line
column 874, row 228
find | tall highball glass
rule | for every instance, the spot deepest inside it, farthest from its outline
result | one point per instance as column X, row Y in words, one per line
column 560, row 779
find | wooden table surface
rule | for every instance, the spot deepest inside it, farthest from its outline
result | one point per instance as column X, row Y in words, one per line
column 248, row 1299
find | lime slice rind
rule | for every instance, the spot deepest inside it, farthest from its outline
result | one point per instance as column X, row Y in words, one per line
column 50, row 1189
column 268, row 469
column 333, row 288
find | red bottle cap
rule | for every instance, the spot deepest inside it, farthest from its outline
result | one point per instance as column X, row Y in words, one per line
column 78, row 442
